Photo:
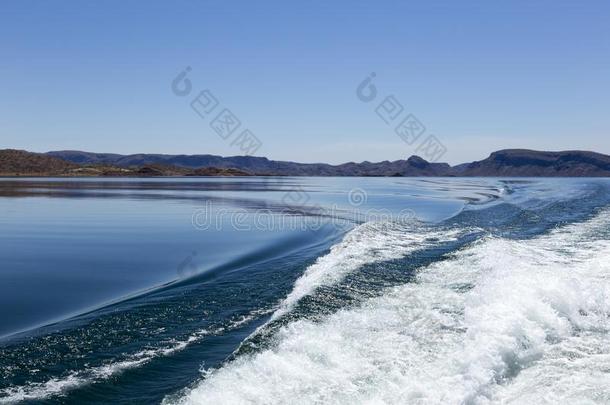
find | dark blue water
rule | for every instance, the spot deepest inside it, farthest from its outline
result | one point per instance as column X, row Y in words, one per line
column 139, row 291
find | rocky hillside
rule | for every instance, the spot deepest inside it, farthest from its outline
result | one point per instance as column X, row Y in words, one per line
column 414, row 166
column 21, row 163
column 504, row 163
column 510, row 162
column 522, row 162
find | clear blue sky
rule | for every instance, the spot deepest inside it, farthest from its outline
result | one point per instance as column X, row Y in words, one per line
column 481, row 75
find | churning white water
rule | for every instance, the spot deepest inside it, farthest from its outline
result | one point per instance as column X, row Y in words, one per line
column 502, row 321
column 370, row 242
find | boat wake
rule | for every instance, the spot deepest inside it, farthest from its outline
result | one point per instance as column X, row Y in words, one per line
column 371, row 242
column 505, row 301
column 87, row 376
column 500, row 321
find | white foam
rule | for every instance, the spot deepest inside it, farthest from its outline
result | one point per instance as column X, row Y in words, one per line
column 368, row 243
column 500, row 322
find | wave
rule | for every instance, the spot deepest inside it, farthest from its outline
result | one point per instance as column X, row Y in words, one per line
column 371, row 242
column 500, row 321
column 77, row 379
column 59, row 386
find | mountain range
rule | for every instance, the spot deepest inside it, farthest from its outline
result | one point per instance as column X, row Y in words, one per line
column 503, row 163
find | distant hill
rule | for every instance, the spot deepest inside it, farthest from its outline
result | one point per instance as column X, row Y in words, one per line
column 414, row 166
column 522, row 162
column 22, row 163
column 15, row 162
column 504, row 163
column 509, row 162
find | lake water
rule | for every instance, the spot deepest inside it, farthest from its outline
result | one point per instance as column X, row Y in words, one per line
column 304, row 290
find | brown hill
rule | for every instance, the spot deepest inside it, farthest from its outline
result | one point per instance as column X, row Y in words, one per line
column 503, row 163
column 510, row 162
column 21, row 163
column 215, row 171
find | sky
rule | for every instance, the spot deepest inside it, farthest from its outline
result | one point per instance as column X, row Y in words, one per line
column 478, row 75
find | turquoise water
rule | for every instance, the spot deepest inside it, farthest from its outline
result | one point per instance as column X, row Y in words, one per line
column 223, row 290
